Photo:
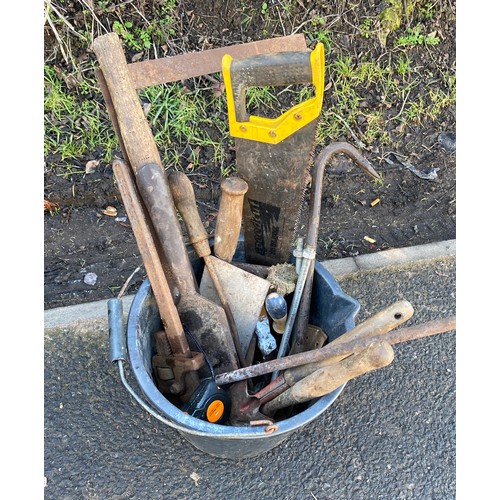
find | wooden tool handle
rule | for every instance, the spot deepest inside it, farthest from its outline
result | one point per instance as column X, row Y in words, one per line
column 137, row 137
column 185, row 201
column 327, row 379
column 382, row 322
column 151, row 259
column 228, row 226
column 142, row 153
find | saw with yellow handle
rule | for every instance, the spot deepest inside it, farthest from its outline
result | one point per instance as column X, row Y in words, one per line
column 273, row 155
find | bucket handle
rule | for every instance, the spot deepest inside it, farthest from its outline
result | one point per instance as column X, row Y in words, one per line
column 117, row 356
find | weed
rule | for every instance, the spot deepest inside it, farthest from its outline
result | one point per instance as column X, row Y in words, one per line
column 73, row 126
column 416, row 110
column 260, row 99
column 415, row 37
column 379, row 182
column 440, row 100
column 320, row 32
column 403, row 67
column 228, row 170
column 427, row 10
column 136, row 38
column 139, row 38
column 329, row 127
column 179, row 115
column 328, row 244
column 375, row 123
column 366, row 27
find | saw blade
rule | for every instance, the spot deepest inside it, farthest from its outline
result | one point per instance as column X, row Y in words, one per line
column 277, row 175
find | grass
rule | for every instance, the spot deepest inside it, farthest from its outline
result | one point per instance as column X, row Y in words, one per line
column 189, row 119
column 73, row 123
column 180, row 116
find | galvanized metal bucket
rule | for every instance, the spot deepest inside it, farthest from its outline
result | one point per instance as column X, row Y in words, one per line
column 331, row 309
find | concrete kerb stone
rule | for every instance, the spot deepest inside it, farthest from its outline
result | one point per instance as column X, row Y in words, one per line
column 80, row 313
column 65, row 316
column 390, row 258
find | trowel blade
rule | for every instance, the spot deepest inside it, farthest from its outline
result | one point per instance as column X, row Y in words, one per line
column 245, row 294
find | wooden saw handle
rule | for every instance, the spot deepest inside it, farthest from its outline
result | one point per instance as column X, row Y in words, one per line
column 228, row 226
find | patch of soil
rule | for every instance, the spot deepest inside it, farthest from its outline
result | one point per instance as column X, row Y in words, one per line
column 90, row 255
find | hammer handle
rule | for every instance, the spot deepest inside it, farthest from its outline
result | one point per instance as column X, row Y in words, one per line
column 136, row 135
column 228, row 226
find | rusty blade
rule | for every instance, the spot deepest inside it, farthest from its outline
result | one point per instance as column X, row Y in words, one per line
column 276, row 175
column 182, row 66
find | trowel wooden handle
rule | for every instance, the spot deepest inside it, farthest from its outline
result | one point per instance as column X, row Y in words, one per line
column 185, row 201
column 228, row 226
column 382, row 322
column 326, row 380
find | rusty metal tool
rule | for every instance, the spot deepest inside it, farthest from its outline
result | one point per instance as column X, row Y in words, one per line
column 246, row 405
column 325, row 380
column 205, row 319
column 429, row 328
column 273, row 154
column 180, row 67
column 377, row 324
column 313, row 224
column 250, row 290
column 175, row 365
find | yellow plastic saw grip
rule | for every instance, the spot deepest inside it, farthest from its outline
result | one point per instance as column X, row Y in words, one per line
column 275, row 130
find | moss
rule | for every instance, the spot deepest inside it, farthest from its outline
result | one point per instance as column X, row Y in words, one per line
column 392, row 16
